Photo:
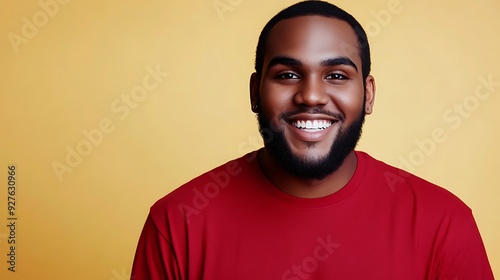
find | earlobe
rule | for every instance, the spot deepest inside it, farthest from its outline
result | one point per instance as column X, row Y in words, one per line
column 369, row 94
column 254, row 92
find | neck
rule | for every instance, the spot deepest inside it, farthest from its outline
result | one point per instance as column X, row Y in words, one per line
column 307, row 188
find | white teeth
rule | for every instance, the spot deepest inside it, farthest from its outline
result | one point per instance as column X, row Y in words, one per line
column 312, row 125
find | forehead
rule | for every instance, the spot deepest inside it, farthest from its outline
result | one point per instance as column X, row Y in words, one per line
column 312, row 39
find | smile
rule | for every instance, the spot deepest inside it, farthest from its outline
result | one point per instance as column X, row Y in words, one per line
column 314, row 125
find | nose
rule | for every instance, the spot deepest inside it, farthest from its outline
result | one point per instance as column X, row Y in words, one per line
column 311, row 93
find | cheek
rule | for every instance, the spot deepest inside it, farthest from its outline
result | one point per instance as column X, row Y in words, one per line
column 275, row 100
column 350, row 102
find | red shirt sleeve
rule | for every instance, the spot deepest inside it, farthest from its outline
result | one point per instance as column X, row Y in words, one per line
column 462, row 255
column 154, row 257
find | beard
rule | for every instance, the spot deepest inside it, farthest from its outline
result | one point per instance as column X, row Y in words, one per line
column 307, row 168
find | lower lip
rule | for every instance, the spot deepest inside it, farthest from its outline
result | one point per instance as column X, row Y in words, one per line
column 311, row 136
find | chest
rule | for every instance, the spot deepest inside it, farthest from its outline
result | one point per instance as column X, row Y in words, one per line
column 309, row 245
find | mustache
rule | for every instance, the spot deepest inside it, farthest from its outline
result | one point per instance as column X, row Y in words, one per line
column 338, row 115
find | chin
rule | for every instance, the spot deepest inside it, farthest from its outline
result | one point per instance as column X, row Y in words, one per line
column 312, row 153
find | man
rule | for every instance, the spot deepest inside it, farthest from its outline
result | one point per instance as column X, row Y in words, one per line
column 307, row 206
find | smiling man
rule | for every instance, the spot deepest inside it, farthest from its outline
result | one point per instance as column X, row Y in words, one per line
column 311, row 90
column 307, row 205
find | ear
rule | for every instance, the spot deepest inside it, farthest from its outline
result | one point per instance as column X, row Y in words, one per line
column 254, row 91
column 370, row 94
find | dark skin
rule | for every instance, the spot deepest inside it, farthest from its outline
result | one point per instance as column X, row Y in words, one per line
column 306, row 65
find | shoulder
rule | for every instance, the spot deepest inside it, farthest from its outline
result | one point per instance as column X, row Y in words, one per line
column 443, row 225
column 197, row 193
column 410, row 188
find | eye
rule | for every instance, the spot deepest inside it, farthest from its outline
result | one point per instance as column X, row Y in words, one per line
column 336, row 76
column 287, row 76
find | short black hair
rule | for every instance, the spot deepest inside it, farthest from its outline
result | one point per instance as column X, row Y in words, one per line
column 319, row 8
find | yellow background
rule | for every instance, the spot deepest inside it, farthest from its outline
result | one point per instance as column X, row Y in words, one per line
column 427, row 57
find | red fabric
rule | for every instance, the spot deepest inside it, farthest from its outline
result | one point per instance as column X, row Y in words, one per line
column 232, row 223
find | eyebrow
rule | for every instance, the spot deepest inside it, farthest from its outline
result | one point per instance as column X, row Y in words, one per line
column 339, row 61
column 283, row 60
column 289, row 61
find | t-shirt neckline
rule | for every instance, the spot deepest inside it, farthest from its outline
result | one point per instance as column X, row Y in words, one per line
column 321, row 202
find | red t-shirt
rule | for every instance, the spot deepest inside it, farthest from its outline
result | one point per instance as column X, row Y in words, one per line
column 232, row 223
